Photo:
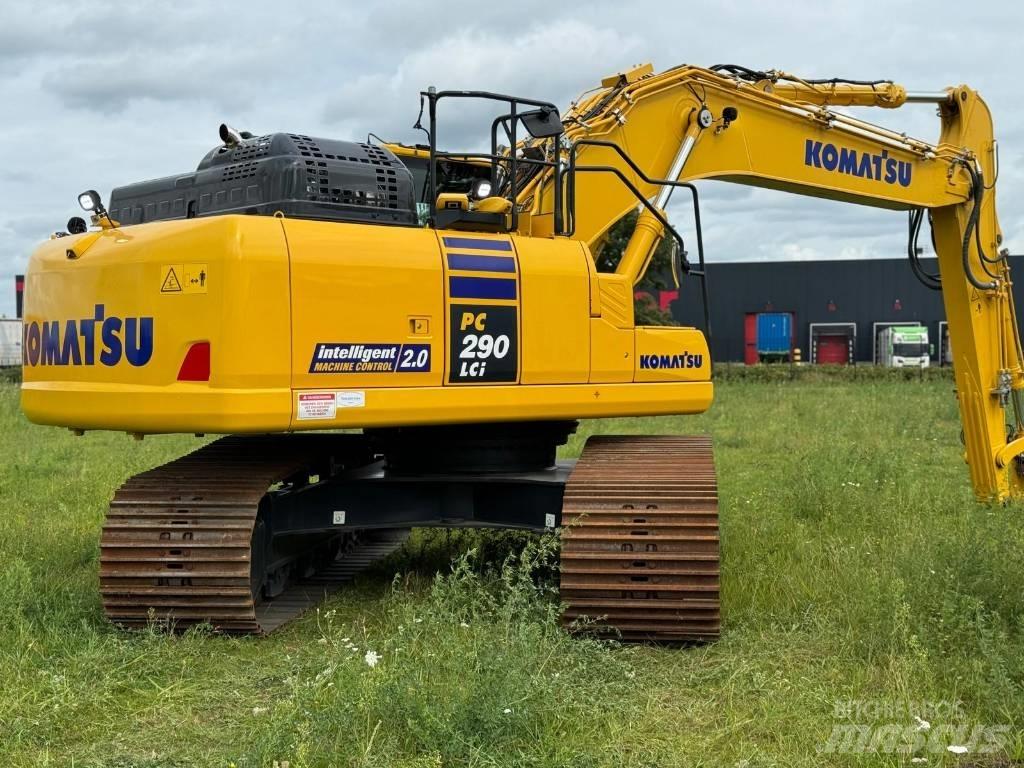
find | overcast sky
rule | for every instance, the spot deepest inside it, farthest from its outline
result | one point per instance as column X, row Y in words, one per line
column 97, row 95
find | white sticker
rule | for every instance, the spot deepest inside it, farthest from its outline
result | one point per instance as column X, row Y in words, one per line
column 351, row 399
column 549, row 520
column 339, row 517
column 316, row 405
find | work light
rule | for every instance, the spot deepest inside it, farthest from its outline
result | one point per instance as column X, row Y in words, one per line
column 481, row 189
column 90, row 201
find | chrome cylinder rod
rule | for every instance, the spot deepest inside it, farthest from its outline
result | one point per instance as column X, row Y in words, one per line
column 927, row 97
column 676, row 169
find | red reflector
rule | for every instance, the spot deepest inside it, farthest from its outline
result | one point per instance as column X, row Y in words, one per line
column 196, row 365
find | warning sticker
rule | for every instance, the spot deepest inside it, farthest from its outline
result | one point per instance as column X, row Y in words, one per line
column 316, row 405
column 184, row 278
column 171, row 284
column 194, row 278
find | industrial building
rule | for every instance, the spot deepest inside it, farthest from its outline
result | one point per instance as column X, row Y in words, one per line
column 834, row 310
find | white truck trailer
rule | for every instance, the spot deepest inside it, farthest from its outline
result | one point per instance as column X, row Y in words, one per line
column 904, row 346
column 10, row 342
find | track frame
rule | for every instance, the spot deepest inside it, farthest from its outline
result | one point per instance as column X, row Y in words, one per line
column 372, row 497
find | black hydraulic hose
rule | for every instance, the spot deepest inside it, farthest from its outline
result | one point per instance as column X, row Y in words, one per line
column 934, row 280
column 972, row 223
column 739, row 71
column 845, row 81
column 605, row 100
column 745, row 73
column 931, row 231
column 928, row 280
column 985, row 267
column 979, row 183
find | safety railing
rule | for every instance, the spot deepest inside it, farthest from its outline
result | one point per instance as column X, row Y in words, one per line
column 574, row 168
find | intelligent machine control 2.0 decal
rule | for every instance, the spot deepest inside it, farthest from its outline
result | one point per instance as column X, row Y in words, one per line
column 347, row 357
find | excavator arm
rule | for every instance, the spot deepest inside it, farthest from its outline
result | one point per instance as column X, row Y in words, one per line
column 774, row 130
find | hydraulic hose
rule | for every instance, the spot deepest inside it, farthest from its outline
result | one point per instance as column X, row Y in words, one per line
column 977, row 190
column 753, row 75
column 927, row 279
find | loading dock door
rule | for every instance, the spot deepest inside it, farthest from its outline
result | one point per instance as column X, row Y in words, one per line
column 833, row 343
column 833, row 349
column 750, row 338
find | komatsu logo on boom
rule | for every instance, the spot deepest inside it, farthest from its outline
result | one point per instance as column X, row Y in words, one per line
column 83, row 342
column 863, row 165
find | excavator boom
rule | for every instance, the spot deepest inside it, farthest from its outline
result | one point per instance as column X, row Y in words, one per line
column 774, row 130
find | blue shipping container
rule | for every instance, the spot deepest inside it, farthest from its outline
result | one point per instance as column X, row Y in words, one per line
column 774, row 333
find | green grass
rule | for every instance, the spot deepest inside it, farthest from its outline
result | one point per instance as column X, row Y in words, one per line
column 856, row 568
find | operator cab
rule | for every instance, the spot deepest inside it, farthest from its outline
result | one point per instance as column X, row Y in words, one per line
column 455, row 176
column 489, row 204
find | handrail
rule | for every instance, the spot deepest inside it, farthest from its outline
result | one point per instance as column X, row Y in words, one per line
column 651, row 208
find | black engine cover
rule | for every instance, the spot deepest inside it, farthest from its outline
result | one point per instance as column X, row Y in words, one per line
column 300, row 176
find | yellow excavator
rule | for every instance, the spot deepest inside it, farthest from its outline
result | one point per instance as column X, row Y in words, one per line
column 446, row 310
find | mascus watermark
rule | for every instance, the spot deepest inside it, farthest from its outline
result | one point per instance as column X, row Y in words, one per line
column 910, row 728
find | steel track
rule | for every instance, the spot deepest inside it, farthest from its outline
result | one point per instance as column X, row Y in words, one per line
column 176, row 546
column 640, row 544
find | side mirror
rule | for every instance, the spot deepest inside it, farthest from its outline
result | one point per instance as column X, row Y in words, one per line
column 77, row 225
column 542, row 123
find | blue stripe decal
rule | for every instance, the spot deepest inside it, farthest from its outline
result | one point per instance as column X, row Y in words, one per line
column 481, row 263
column 481, row 288
column 481, row 245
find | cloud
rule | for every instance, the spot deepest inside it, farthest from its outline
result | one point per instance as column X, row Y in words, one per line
column 117, row 81
column 97, row 96
column 547, row 61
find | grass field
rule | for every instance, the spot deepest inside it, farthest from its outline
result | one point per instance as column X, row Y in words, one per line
column 862, row 587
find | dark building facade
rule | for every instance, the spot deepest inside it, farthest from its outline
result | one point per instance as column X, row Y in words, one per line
column 829, row 294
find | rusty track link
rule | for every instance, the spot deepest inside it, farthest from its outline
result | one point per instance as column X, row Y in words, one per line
column 640, row 545
column 177, row 542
